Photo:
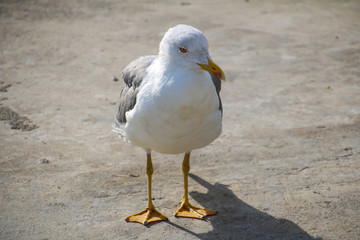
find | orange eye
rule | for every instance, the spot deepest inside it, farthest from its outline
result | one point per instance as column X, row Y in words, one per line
column 183, row 50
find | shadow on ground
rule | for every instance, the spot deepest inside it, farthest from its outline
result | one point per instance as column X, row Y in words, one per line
column 238, row 220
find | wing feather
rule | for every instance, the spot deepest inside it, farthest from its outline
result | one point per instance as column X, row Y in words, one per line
column 217, row 84
column 132, row 76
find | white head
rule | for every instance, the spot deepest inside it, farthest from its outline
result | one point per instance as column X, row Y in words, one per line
column 187, row 47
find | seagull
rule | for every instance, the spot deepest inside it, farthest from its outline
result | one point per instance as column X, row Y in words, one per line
column 170, row 104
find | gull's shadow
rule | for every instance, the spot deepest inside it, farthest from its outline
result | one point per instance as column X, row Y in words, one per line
column 237, row 220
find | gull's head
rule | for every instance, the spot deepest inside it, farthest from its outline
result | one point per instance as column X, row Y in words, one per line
column 186, row 47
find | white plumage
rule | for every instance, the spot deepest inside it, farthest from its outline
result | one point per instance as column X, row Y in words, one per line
column 171, row 104
column 177, row 105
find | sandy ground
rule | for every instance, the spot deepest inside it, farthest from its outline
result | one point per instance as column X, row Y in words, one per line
column 287, row 165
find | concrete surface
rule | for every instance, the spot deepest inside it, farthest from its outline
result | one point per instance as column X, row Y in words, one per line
column 287, row 165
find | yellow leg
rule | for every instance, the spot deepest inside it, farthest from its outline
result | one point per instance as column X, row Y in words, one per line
column 186, row 209
column 150, row 214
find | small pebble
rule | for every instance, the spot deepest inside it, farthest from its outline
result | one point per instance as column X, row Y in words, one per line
column 44, row 160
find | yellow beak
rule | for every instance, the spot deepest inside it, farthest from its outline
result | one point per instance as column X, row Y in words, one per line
column 213, row 69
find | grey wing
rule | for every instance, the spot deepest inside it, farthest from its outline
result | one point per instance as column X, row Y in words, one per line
column 132, row 76
column 217, row 84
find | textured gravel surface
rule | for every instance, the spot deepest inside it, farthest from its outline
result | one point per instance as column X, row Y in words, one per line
column 287, row 165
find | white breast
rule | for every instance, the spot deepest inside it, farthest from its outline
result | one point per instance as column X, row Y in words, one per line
column 175, row 115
